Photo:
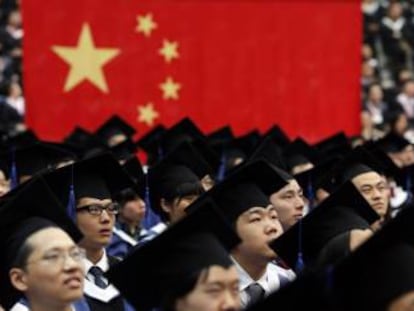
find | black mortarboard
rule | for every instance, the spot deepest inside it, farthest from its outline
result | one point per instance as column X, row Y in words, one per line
column 333, row 145
column 299, row 152
column 186, row 154
column 83, row 141
column 220, row 137
column 380, row 270
column 22, row 139
column 278, row 135
column 98, row 177
column 151, row 144
column 124, row 150
column 36, row 158
column 248, row 142
column 357, row 162
column 248, row 186
column 392, row 143
column 115, row 125
column 197, row 242
column 343, row 210
column 268, row 150
column 34, row 208
column 169, row 180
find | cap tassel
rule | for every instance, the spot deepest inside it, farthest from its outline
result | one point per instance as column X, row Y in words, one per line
column 71, row 207
column 222, row 168
column 150, row 219
column 408, row 182
column 14, row 181
column 300, row 264
column 310, row 194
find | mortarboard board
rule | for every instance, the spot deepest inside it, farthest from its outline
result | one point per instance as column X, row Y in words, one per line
column 186, row 154
column 124, row 150
column 35, row 158
column 151, row 144
column 248, row 186
column 220, row 136
column 392, row 143
column 380, row 270
column 278, row 136
column 99, row 177
column 299, row 152
column 200, row 240
column 358, row 161
column 83, row 141
column 342, row 211
column 270, row 151
column 22, row 139
column 115, row 125
column 34, row 207
column 335, row 144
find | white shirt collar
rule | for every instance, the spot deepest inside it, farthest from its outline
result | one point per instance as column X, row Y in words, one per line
column 245, row 279
column 103, row 263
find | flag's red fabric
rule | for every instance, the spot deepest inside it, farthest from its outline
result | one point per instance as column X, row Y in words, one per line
column 248, row 63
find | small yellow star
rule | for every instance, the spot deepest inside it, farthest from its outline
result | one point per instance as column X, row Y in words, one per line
column 170, row 89
column 169, row 50
column 86, row 61
column 146, row 24
column 147, row 114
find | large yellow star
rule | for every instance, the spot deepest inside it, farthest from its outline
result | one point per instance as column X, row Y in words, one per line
column 85, row 61
column 146, row 24
column 147, row 114
column 170, row 89
column 169, row 50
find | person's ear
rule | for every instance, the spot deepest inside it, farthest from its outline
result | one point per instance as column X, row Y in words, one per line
column 18, row 278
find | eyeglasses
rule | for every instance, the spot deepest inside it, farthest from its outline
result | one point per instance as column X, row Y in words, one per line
column 58, row 258
column 97, row 209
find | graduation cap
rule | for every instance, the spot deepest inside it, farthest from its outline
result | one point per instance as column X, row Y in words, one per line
column 186, row 154
column 35, row 159
column 83, row 141
column 169, row 180
column 151, row 144
column 335, row 144
column 248, row 186
column 220, row 137
column 34, row 208
column 270, row 151
column 357, row 162
column 278, row 135
column 124, row 150
column 342, row 211
column 197, row 242
column 299, row 152
column 380, row 270
column 134, row 169
column 114, row 126
column 392, row 142
column 100, row 177
column 22, row 139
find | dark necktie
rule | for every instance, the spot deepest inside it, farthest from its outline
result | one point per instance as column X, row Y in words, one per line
column 98, row 276
column 255, row 293
column 283, row 280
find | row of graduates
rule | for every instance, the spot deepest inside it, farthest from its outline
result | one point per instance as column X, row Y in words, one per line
column 227, row 206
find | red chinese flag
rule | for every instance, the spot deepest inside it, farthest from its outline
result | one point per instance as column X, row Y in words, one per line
column 249, row 64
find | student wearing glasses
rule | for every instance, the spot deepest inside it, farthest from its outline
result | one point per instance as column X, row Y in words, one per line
column 95, row 182
column 40, row 264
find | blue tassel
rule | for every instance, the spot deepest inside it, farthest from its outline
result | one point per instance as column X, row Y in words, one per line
column 300, row 264
column 310, row 195
column 71, row 207
column 14, row 181
column 408, row 181
column 150, row 219
column 222, row 168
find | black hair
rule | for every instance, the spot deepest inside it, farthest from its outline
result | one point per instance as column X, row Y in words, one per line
column 22, row 255
column 125, row 196
column 182, row 190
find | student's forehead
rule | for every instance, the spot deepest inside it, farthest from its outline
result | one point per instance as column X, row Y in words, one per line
column 368, row 178
column 292, row 185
